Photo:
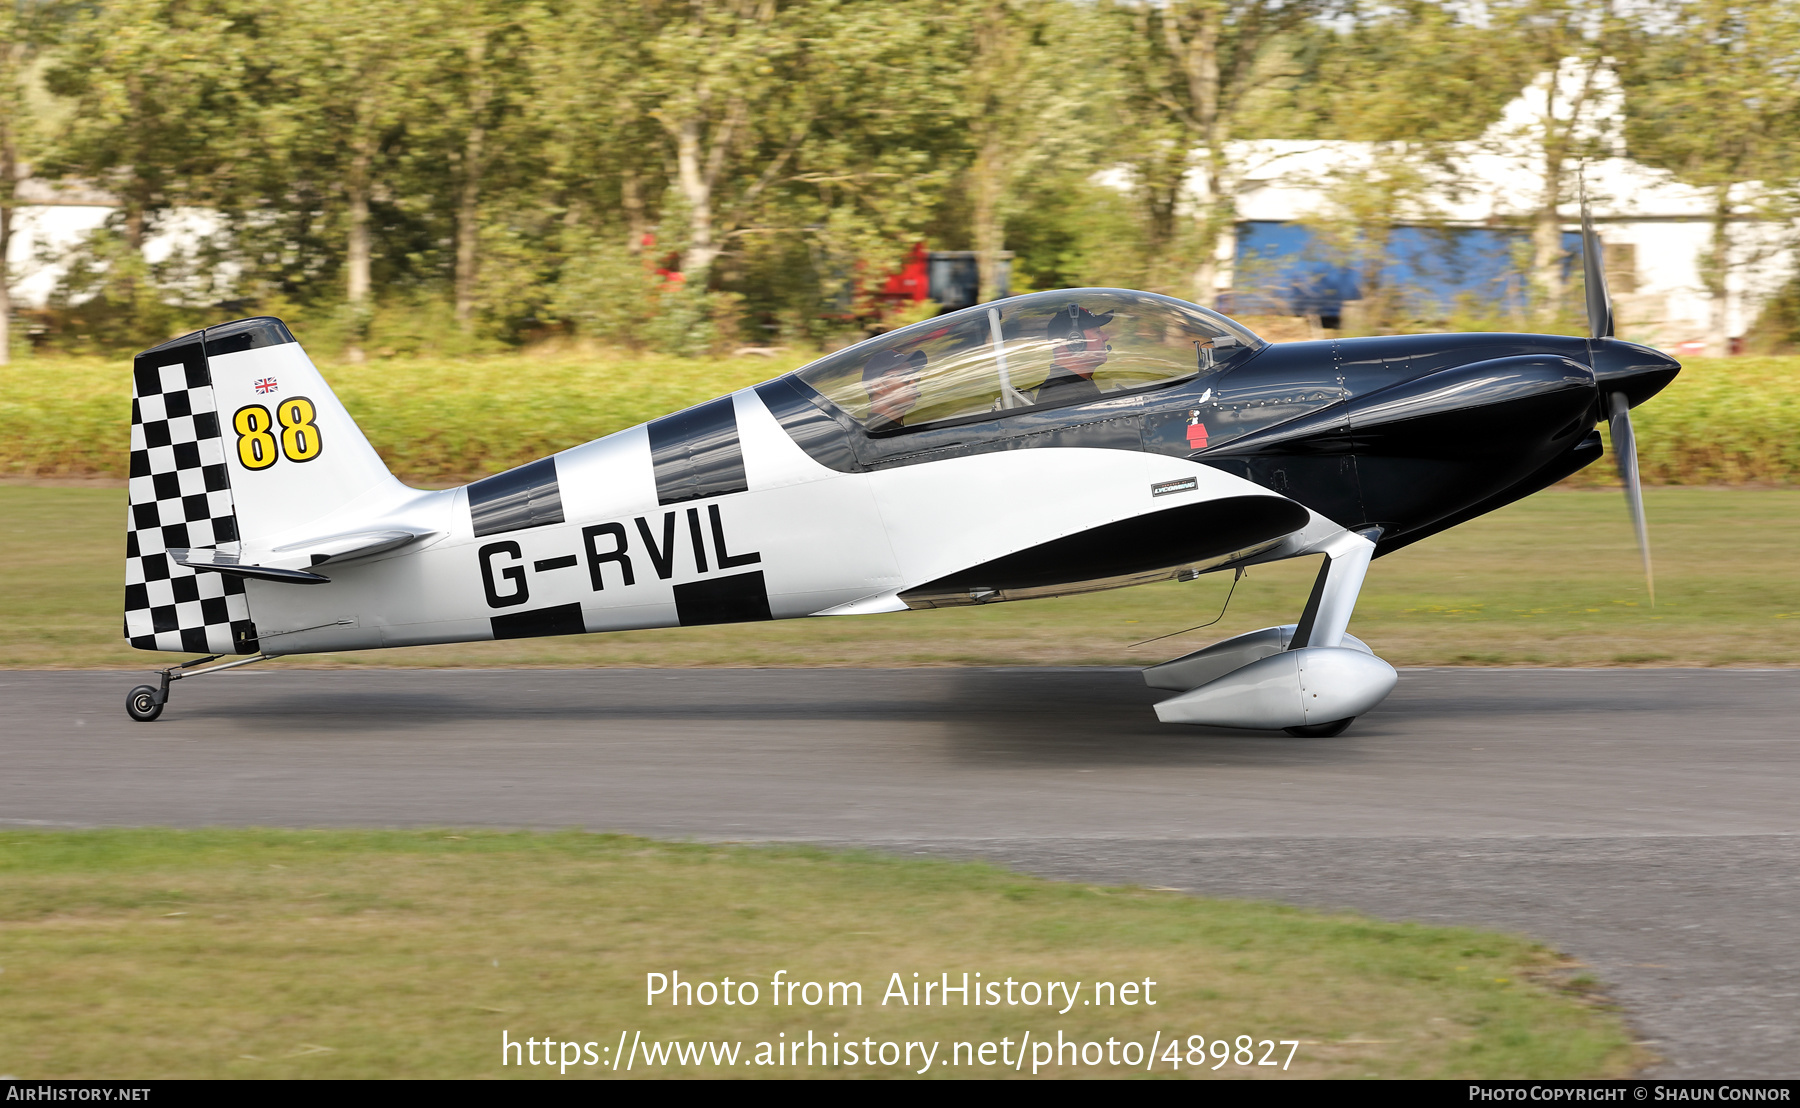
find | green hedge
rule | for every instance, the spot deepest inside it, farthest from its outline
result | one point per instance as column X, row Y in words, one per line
column 1723, row 422
column 434, row 421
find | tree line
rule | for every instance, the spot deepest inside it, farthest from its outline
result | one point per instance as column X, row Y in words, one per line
column 462, row 174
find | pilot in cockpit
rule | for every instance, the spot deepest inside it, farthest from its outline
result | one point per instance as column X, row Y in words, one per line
column 892, row 383
column 1077, row 349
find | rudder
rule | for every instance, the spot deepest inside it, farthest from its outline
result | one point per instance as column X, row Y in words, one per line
column 180, row 494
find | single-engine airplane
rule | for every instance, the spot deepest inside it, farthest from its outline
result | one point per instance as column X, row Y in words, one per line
column 1047, row 444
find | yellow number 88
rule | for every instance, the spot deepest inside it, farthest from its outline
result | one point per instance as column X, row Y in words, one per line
column 256, row 447
column 300, row 439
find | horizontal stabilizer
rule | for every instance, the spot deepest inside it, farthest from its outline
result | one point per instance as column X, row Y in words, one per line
column 356, row 544
column 219, row 561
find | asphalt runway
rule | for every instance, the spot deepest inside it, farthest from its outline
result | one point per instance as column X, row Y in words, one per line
column 1645, row 821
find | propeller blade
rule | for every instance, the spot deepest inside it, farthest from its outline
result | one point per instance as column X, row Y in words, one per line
column 1625, row 453
column 1599, row 301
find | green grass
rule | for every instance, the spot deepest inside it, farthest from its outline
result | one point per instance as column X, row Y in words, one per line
column 256, row 953
column 1552, row 580
column 442, row 421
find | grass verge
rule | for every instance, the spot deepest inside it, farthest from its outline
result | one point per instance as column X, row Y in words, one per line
column 1552, row 580
column 258, row 953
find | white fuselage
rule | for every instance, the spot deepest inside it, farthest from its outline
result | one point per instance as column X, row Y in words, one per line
column 823, row 542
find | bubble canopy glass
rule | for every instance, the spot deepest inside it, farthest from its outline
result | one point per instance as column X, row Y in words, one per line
column 1044, row 349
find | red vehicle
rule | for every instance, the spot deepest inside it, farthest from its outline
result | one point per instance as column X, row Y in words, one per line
column 949, row 277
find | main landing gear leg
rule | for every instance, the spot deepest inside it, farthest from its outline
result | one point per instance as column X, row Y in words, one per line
column 1335, row 590
column 146, row 702
column 1328, row 610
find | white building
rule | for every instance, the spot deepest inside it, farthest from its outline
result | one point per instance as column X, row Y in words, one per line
column 52, row 220
column 1655, row 231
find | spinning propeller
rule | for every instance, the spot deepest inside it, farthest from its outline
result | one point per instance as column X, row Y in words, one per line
column 1616, row 404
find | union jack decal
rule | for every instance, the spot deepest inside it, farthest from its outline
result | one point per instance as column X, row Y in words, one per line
column 266, row 385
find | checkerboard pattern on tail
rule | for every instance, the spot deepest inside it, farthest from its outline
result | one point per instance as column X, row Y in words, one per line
column 180, row 499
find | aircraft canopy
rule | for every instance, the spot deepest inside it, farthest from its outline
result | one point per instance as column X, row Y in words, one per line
column 1044, row 349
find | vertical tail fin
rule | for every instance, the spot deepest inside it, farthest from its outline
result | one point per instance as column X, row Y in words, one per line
column 237, row 444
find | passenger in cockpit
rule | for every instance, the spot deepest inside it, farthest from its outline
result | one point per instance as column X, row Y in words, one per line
column 892, row 384
column 1077, row 348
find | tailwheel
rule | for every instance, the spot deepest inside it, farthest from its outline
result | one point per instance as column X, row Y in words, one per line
column 144, row 703
column 1321, row 730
